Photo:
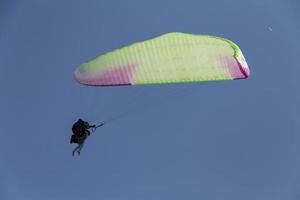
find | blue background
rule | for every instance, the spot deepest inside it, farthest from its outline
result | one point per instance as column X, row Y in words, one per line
column 220, row 140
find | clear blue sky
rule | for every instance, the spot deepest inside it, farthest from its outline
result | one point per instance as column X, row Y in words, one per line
column 215, row 141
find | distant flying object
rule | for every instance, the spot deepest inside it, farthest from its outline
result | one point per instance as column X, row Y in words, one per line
column 270, row 28
column 170, row 58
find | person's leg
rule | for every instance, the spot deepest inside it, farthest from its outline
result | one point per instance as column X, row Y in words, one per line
column 79, row 148
column 76, row 149
column 80, row 145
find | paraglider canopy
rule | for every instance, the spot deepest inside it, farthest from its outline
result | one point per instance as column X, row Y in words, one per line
column 170, row 58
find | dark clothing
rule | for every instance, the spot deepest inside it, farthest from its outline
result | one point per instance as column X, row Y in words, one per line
column 78, row 127
column 74, row 139
column 80, row 131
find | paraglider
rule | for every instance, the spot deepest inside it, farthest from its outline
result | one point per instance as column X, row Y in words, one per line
column 81, row 131
column 169, row 58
